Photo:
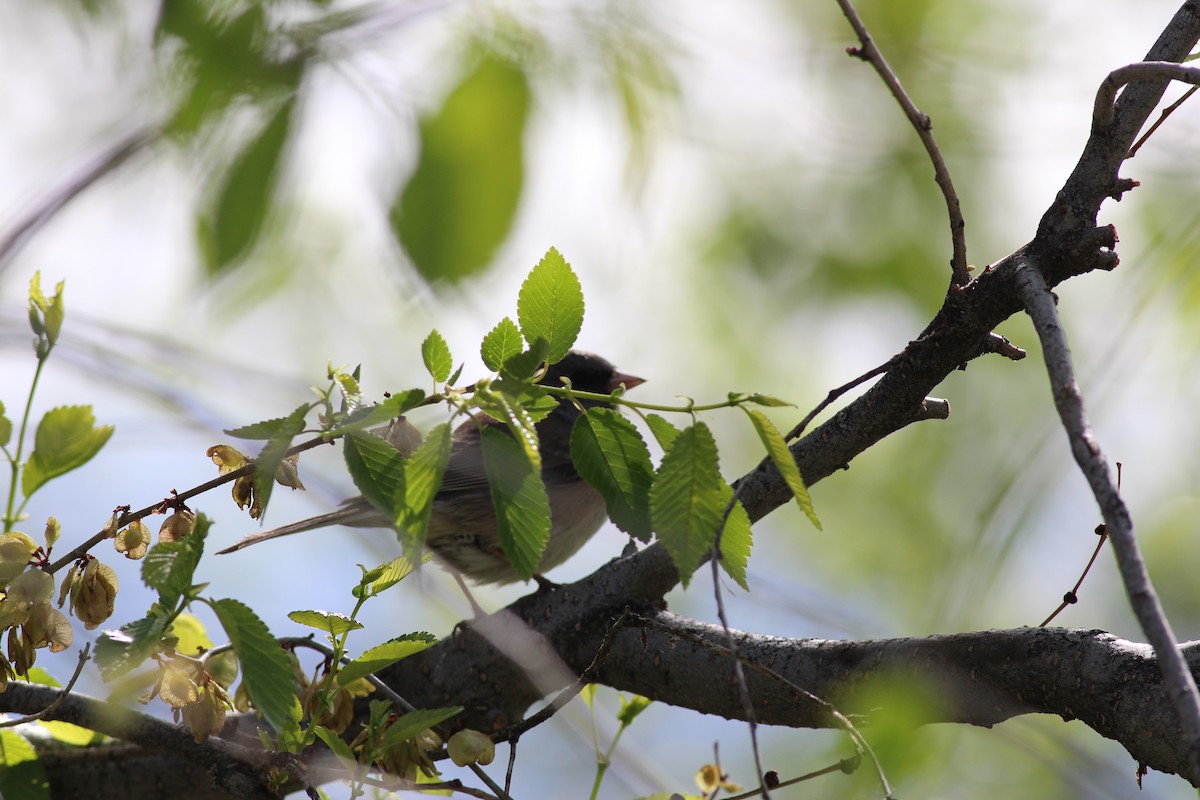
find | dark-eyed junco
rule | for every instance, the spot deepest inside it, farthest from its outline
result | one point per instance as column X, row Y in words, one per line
column 462, row 525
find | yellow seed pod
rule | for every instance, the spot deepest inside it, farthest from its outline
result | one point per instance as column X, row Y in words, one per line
column 95, row 595
column 177, row 526
column 16, row 549
column 134, row 540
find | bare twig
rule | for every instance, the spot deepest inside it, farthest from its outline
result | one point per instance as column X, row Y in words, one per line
column 1040, row 305
column 841, row 719
column 1106, row 95
column 738, row 673
column 960, row 272
column 514, row 732
column 1072, row 596
column 1166, row 112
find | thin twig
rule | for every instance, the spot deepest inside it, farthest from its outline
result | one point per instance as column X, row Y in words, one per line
column 1166, row 112
column 1106, row 96
column 834, row 394
column 855, row 736
column 513, row 732
column 1072, row 596
column 1040, row 305
column 738, row 673
column 960, row 272
column 130, row 516
column 84, row 656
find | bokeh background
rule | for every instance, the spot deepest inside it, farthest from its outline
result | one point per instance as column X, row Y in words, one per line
column 747, row 210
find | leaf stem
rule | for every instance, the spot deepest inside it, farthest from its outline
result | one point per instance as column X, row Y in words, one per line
column 11, row 514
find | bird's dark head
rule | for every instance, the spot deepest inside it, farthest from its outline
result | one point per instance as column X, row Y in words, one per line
column 588, row 372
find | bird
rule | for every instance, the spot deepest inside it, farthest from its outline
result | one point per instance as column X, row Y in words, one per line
column 462, row 524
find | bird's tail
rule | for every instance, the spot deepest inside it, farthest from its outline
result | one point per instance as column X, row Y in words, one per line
column 356, row 513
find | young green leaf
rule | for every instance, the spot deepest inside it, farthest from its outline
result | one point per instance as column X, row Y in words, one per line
column 22, row 771
column 385, row 576
column 423, row 474
column 550, row 305
column 436, row 355
column 384, row 655
column 266, row 668
column 370, row 416
column 736, row 539
column 507, row 409
column 5, row 427
column 330, row 622
column 522, row 366
column 117, row 652
column 376, row 468
column 45, row 314
column 461, row 200
column 631, row 707
column 272, row 428
column 412, row 723
column 269, row 459
column 685, row 501
column 777, row 449
column 169, row 566
column 522, row 509
column 502, row 343
column 231, row 224
column 664, row 432
column 66, row 439
column 610, row 455
column 338, row 747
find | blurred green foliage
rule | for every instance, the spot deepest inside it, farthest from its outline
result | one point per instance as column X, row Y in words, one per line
column 459, row 204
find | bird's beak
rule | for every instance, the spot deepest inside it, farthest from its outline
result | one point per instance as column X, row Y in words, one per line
column 619, row 378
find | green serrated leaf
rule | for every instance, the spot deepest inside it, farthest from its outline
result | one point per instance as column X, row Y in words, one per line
column 460, row 202
column 631, row 707
column 436, row 355
column 369, row 416
column 385, row 576
column 502, row 343
column 768, row 400
column 550, row 305
column 783, row 460
column 736, row 539
column 266, row 668
column 509, row 410
column 169, row 567
column 664, row 432
column 330, row 622
column 66, row 439
column 5, row 427
column 377, row 469
column 117, row 652
column 190, row 632
column 70, row 734
column 22, row 772
column 236, row 214
column 522, row 509
column 272, row 428
column 384, row 655
column 412, row 723
column 685, row 501
column 610, row 454
column 423, row 473
column 266, row 463
column 338, row 747
column 522, row 366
